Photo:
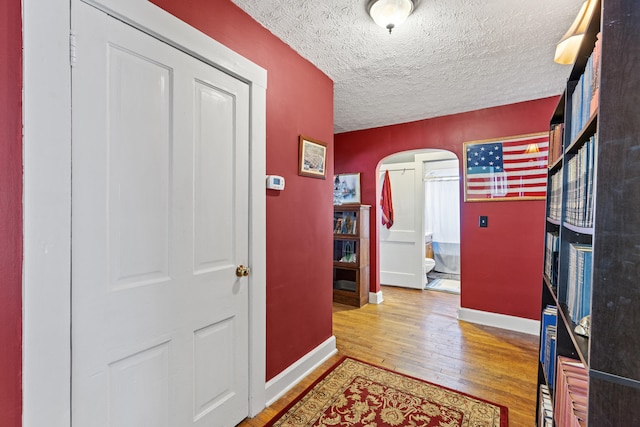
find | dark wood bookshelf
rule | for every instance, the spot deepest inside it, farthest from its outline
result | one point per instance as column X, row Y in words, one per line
column 587, row 131
column 610, row 353
column 553, row 221
column 555, row 165
column 351, row 254
column 579, row 230
column 579, row 342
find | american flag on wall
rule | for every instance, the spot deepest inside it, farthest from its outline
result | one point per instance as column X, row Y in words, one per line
column 507, row 168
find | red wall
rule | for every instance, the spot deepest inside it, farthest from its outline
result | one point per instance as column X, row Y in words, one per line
column 501, row 266
column 299, row 219
column 11, row 213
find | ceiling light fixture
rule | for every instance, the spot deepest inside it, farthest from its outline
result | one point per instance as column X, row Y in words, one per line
column 390, row 13
column 568, row 46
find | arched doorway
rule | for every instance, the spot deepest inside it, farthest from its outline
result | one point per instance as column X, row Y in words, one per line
column 425, row 235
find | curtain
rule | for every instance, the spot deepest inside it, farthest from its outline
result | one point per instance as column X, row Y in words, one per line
column 442, row 218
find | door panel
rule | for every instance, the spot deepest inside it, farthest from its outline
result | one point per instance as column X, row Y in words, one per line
column 401, row 262
column 159, row 223
column 213, row 165
column 133, row 403
column 138, row 170
column 214, row 369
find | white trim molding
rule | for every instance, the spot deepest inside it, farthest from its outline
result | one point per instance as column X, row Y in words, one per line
column 503, row 321
column 46, row 282
column 287, row 379
column 375, row 297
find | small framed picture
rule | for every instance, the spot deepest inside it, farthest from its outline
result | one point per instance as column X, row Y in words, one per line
column 346, row 189
column 312, row 158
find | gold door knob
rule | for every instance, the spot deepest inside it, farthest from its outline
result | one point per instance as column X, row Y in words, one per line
column 242, row 271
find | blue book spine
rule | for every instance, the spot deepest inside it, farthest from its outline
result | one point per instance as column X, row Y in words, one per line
column 586, row 291
column 549, row 318
column 552, row 361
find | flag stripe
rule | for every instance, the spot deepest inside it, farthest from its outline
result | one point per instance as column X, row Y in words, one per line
column 527, row 190
column 539, row 172
column 525, row 165
column 522, row 156
column 532, row 138
column 523, row 148
column 541, row 142
column 520, row 182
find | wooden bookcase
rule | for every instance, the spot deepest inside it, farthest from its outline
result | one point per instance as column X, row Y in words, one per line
column 351, row 254
column 611, row 352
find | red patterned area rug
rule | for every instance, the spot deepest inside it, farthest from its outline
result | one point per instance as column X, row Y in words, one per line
column 357, row 394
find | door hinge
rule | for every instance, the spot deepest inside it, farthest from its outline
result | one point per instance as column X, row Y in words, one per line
column 72, row 49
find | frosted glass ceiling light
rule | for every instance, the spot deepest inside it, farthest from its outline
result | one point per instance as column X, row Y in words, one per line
column 390, row 13
column 567, row 48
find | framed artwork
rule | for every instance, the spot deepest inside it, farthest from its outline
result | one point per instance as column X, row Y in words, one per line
column 510, row 168
column 346, row 189
column 312, row 157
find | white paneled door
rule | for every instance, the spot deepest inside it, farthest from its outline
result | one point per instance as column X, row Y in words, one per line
column 159, row 226
column 401, row 246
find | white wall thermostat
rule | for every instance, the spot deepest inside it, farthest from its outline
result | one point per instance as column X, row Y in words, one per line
column 275, row 182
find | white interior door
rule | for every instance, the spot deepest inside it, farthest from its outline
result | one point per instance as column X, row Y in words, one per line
column 401, row 246
column 159, row 224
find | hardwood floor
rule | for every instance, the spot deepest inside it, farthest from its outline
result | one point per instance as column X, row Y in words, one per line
column 417, row 333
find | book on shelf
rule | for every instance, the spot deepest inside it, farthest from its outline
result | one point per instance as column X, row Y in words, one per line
column 345, row 223
column 337, row 225
column 549, row 364
column 549, row 318
column 595, row 95
column 545, row 409
column 579, row 188
column 585, row 97
column 591, row 152
column 578, row 295
column 551, row 258
column 548, row 342
column 571, row 393
column 554, row 194
column 555, row 142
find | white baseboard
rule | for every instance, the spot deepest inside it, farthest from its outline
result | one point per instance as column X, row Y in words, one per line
column 512, row 323
column 284, row 381
column 375, row 297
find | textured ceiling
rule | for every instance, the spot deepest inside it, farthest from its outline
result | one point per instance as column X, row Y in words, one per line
column 449, row 56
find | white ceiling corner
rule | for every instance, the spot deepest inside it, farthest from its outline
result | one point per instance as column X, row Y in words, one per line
column 450, row 56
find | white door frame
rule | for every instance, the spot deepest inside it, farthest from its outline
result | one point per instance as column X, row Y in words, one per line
column 47, row 195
